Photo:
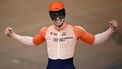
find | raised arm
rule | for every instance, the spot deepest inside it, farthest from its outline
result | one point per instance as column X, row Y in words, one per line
column 101, row 37
column 98, row 38
column 27, row 40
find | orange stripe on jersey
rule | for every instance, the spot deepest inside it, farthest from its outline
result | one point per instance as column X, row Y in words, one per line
column 83, row 35
column 40, row 38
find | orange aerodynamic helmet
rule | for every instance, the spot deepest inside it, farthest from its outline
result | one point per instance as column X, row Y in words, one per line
column 56, row 9
column 56, row 6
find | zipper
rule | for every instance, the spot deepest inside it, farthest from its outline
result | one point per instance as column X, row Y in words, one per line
column 58, row 45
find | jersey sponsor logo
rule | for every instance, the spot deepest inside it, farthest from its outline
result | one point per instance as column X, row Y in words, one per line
column 56, row 39
column 48, row 38
column 55, row 34
column 64, row 34
column 52, row 33
column 61, row 39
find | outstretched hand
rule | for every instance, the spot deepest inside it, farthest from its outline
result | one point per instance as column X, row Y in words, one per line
column 113, row 24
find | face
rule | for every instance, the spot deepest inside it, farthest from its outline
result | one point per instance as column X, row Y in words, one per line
column 58, row 22
column 58, row 17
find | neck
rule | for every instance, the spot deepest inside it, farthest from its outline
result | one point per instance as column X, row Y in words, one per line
column 60, row 28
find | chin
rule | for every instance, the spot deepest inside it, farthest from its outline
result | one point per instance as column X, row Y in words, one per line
column 59, row 25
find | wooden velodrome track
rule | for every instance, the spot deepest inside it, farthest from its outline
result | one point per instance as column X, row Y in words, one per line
column 26, row 17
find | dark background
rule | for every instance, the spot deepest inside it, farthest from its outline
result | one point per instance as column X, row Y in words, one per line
column 26, row 17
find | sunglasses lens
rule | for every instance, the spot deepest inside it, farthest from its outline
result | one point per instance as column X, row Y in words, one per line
column 58, row 14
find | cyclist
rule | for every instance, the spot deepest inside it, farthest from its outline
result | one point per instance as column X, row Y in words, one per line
column 62, row 38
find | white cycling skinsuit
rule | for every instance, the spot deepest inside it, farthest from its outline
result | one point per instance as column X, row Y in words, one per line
column 61, row 44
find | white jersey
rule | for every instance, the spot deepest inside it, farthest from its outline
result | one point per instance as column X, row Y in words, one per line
column 61, row 44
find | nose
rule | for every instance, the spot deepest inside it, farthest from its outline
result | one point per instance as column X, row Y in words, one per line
column 57, row 18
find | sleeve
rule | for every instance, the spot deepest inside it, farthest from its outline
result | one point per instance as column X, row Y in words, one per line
column 40, row 37
column 83, row 35
column 27, row 40
column 102, row 37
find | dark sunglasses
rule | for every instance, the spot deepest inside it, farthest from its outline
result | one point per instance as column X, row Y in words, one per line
column 60, row 14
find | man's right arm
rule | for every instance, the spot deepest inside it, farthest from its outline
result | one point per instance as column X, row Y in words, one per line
column 27, row 40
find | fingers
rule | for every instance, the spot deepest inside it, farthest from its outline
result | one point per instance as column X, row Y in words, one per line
column 9, row 31
column 113, row 24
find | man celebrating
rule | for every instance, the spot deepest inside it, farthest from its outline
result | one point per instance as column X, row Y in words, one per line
column 62, row 38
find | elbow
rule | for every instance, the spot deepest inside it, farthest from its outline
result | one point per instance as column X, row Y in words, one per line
column 99, row 40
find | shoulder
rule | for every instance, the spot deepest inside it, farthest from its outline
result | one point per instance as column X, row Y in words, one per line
column 78, row 28
column 43, row 31
column 44, row 28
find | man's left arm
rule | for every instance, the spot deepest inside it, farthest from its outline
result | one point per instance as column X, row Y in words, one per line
column 102, row 37
column 95, row 39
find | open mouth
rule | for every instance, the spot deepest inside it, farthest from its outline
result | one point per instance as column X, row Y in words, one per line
column 58, row 22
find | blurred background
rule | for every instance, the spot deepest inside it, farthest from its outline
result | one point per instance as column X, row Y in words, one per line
column 26, row 17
